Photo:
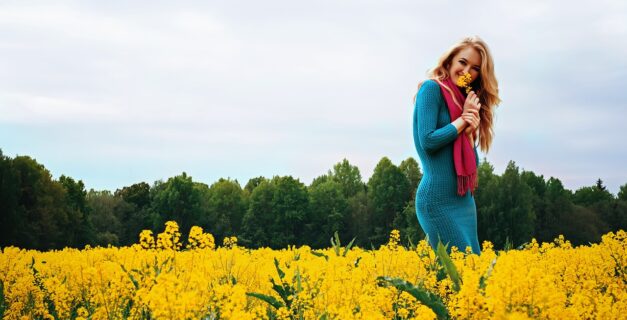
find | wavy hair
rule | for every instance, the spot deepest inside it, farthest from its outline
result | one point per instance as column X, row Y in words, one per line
column 486, row 86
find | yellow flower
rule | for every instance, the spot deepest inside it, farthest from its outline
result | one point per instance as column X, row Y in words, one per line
column 464, row 82
column 395, row 238
column 146, row 240
column 229, row 242
column 552, row 280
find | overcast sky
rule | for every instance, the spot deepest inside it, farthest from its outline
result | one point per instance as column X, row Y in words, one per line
column 118, row 92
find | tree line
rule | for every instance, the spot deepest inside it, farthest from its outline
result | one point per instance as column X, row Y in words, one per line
column 39, row 212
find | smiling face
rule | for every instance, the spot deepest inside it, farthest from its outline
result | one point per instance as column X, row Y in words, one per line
column 466, row 60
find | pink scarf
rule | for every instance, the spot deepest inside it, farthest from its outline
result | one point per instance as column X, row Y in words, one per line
column 463, row 153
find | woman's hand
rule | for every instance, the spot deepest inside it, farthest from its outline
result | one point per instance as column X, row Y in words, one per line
column 471, row 134
column 472, row 119
column 470, row 130
column 472, row 102
column 469, row 120
column 470, row 114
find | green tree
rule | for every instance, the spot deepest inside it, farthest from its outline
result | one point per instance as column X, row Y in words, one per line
column 320, row 180
column 388, row 192
column 290, row 205
column 601, row 213
column 412, row 172
column 356, row 216
column 178, row 199
column 538, row 189
column 515, row 204
column 348, row 177
column 42, row 203
column 413, row 230
column 488, row 217
column 506, row 210
column 102, row 206
column 359, row 219
column 587, row 196
column 259, row 218
column 582, row 226
column 137, row 194
column 618, row 218
column 133, row 208
column 79, row 230
column 622, row 193
column 277, row 214
column 226, row 206
column 328, row 208
column 253, row 183
column 11, row 222
column 556, row 210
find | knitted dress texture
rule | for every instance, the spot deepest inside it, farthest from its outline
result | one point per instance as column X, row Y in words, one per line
column 442, row 213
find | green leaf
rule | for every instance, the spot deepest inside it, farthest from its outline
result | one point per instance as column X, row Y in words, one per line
column 484, row 278
column 348, row 247
column 278, row 269
column 449, row 266
column 269, row 299
column 429, row 299
column 412, row 246
column 135, row 282
column 299, row 287
column 336, row 243
column 279, row 289
column 508, row 244
column 126, row 313
column 320, row 254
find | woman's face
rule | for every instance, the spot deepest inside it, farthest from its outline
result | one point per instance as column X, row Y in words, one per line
column 466, row 60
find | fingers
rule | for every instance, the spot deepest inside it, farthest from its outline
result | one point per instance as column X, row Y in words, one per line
column 472, row 101
column 471, row 96
column 475, row 112
column 471, row 112
column 471, row 118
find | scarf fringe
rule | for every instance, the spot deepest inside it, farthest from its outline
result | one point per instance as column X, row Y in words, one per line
column 467, row 182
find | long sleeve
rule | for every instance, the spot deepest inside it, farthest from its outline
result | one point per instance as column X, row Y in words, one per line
column 428, row 100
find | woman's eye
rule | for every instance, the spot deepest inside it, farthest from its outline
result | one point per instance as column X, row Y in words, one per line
column 462, row 62
column 476, row 69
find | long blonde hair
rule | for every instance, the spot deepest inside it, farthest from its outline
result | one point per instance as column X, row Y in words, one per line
column 485, row 85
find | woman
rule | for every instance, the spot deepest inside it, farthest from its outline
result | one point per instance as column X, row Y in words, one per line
column 448, row 125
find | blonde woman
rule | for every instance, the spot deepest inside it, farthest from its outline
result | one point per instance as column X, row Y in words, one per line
column 448, row 126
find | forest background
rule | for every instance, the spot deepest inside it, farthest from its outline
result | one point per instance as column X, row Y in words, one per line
column 39, row 212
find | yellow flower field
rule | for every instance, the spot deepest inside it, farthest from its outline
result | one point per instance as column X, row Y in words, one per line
column 160, row 279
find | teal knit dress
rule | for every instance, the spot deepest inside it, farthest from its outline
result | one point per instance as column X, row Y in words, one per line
column 442, row 213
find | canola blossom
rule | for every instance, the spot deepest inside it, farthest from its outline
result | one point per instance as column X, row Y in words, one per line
column 158, row 278
column 464, row 82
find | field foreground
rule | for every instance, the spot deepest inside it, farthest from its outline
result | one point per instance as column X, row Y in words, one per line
column 158, row 280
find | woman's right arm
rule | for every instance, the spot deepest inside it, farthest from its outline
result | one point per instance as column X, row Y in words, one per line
column 431, row 138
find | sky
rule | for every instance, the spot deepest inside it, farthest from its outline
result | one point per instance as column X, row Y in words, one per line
column 117, row 92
